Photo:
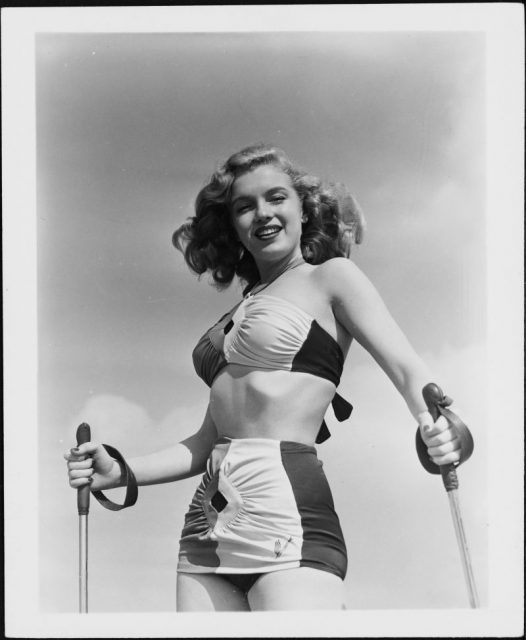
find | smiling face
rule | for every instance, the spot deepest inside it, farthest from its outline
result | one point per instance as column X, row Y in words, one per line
column 266, row 214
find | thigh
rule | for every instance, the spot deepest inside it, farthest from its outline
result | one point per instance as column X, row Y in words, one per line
column 208, row 592
column 294, row 589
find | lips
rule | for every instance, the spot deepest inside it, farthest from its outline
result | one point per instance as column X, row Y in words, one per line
column 270, row 231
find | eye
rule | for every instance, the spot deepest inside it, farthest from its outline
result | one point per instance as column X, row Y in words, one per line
column 277, row 199
column 243, row 208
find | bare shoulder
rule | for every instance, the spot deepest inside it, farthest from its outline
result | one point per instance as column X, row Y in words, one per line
column 339, row 277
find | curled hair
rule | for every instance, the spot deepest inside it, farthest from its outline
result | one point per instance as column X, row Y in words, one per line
column 209, row 241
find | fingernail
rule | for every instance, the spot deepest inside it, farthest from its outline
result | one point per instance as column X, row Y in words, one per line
column 90, row 480
column 74, row 450
column 427, row 428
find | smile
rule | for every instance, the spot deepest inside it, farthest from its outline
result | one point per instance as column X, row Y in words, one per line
column 267, row 232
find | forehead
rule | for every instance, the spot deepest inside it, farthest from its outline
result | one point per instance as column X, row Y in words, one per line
column 259, row 180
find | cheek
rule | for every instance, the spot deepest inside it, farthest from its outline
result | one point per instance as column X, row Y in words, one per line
column 239, row 229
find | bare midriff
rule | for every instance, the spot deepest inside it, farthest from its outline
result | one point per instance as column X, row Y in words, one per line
column 257, row 403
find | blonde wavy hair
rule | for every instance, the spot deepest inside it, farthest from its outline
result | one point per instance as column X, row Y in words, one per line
column 209, row 242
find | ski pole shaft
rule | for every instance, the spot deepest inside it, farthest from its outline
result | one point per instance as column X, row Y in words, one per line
column 456, row 514
column 433, row 396
column 83, row 494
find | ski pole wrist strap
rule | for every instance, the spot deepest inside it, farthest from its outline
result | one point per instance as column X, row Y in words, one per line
column 129, row 480
column 459, row 428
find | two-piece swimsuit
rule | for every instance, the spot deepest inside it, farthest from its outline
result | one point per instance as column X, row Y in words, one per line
column 264, row 504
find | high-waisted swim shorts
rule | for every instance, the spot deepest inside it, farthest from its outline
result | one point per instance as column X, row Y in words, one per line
column 262, row 505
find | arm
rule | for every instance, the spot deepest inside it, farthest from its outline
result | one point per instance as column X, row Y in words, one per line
column 184, row 460
column 90, row 462
column 359, row 308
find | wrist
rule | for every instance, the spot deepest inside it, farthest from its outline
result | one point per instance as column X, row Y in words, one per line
column 424, row 418
column 113, row 478
column 118, row 474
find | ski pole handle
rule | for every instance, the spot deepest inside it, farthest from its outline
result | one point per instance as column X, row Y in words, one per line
column 83, row 435
column 433, row 397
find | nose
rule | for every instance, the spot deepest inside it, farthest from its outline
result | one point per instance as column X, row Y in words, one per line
column 262, row 211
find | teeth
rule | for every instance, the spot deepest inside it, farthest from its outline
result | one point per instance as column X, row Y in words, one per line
column 268, row 231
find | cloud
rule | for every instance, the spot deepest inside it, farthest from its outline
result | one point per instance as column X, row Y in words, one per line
column 120, row 422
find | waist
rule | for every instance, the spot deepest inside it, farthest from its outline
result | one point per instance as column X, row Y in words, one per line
column 260, row 444
column 239, row 454
column 278, row 404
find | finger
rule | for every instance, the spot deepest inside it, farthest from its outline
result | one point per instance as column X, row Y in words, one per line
column 87, row 448
column 450, row 458
column 77, row 456
column 74, row 454
column 80, row 482
column 441, row 424
column 82, row 451
column 80, row 464
column 75, row 474
column 443, row 449
column 424, row 418
column 425, row 424
column 445, row 436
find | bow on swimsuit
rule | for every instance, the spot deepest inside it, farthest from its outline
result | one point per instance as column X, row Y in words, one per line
column 268, row 332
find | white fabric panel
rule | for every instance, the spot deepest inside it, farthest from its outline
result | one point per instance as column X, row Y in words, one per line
column 267, row 524
column 268, row 332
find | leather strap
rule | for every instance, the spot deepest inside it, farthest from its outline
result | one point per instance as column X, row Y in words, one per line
column 459, row 428
column 131, row 484
column 342, row 410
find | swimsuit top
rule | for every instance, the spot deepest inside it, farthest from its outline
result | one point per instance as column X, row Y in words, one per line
column 268, row 332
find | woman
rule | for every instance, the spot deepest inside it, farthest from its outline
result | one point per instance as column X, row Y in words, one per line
column 261, row 532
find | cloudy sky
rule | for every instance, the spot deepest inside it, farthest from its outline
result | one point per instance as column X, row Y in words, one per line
column 128, row 128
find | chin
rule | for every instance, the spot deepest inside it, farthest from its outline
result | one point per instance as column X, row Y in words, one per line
column 273, row 252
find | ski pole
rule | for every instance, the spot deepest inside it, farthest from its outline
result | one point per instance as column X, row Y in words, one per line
column 436, row 403
column 83, row 435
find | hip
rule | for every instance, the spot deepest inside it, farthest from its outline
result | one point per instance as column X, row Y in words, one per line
column 262, row 504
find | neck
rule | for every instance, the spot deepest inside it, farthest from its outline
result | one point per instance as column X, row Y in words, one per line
column 271, row 271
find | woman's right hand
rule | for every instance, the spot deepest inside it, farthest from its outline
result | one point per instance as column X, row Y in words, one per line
column 90, row 463
column 440, row 438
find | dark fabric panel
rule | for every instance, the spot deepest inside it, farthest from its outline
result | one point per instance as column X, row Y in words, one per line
column 323, row 543
column 208, row 355
column 320, row 355
column 208, row 362
column 243, row 581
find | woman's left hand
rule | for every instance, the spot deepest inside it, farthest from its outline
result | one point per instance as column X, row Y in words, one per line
column 442, row 444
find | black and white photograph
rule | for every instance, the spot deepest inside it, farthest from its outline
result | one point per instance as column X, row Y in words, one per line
column 263, row 322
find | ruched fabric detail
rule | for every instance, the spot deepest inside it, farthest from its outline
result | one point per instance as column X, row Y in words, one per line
column 267, row 333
